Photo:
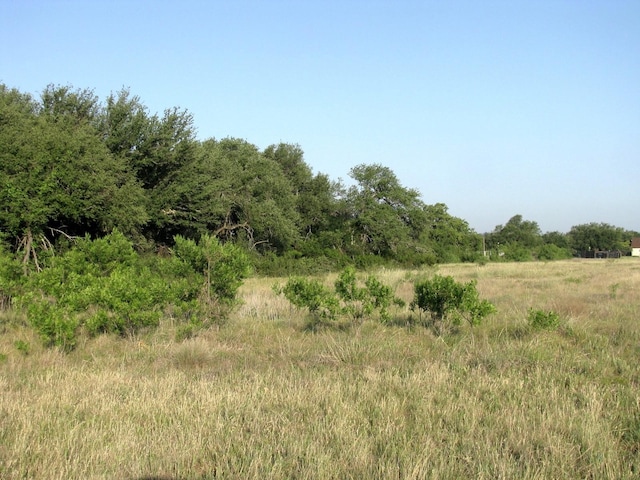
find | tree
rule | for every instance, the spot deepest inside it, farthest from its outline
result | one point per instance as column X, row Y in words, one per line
column 57, row 175
column 315, row 195
column 555, row 247
column 63, row 103
column 385, row 216
column 517, row 231
column 233, row 192
column 517, row 239
column 125, row 126
column 558, row 239
column 448, row 237
column 598, row 236
column 170, row 144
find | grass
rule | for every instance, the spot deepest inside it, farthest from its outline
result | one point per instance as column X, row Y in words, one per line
column 261, row 397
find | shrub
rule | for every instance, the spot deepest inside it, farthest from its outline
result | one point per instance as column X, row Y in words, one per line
column 359, row 302
column 447, row 302
column 54, row 324
column 543, row 320
column 103, row 287
column 312, row 295
column 347, row 299
column 514, row 252
column 553, row 252
column 223, row 268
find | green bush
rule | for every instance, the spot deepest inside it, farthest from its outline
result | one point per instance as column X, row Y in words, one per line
column 347, row 299
column 543, row 320
column 447, row 302
column 550, row 252
column 312, row 295
column 514, row 252
column 223, row 268
column 359, row 302
column 102, row 286
column 53, row 323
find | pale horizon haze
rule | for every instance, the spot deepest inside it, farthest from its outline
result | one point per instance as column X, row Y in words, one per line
column 495, row 108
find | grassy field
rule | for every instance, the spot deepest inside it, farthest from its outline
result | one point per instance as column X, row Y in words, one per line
column 261, row 397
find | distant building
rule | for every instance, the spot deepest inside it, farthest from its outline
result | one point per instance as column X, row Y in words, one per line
column 635, row 247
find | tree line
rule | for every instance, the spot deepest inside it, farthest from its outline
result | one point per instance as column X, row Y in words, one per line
column 73, row 166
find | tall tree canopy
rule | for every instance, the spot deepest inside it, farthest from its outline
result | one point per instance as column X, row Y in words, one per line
column 385, row 216
column 233, row 191
column 449, row 238
column 72, row 165
column 598, row 236
column 315, row 195
column 516, row 231
column 56, row 173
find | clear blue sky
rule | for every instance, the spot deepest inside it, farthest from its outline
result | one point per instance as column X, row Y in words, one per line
column 494, row 108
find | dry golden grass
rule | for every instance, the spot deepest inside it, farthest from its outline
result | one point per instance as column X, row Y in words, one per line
column 262, row 398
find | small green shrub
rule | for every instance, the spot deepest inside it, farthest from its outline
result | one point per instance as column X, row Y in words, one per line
column 312, row 295
column 447, row 302
column 543, row 320
column 382, row 297
column 224, row 267
column 22, row 346
column 54, row 324
column 348, row 298
column 359, row 302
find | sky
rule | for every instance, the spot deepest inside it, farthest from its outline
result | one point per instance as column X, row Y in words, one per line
column 494, row 108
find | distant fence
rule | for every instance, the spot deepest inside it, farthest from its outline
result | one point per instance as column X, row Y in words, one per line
column 601, row 254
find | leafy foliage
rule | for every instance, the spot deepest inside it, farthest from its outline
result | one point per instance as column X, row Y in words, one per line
column 447, row 302
column 321, row 302
column 10, row 277
column 72, row 166
column 553, row 252
column 543, row 320
column 103, row 286
column 347, row 299
column 223, row 266
column 56, row 173
column 598, row 236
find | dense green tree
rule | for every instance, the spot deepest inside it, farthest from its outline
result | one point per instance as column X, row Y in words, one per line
column 170, row 144
column 385, row 216
column 315, row 195
column 449, row 238
column 517, row 240
column 556, row 238
column 64, row 103
column 524, row 233
column 153, row 146
column 57, row 175
column 291, row 160
column 598, row 236
column 125, row 126
column 232, row 191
